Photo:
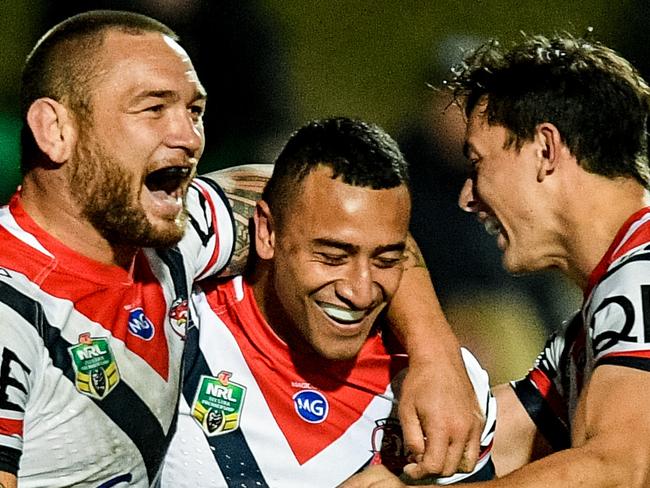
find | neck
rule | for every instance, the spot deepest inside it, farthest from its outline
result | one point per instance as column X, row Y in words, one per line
column 48, row 201
column 259, row 277
column 598, row 209
column 261, row 281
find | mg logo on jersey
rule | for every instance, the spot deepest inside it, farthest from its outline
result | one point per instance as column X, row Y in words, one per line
column 311, row 406
column 218, row 404
column 96, row 372
column 140, row 325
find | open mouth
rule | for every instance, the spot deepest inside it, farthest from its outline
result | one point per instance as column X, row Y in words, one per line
column 168, row 180
column 343, row 316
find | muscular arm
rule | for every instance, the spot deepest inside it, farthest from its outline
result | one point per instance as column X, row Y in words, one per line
column 610, row 447
column 438, row 401
column 516, row 441
column 8, row 480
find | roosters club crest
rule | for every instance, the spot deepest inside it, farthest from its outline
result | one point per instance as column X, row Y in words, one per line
column 179, row 316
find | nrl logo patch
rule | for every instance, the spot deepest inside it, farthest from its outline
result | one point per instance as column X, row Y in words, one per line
column 96, row 372
column 218, row 404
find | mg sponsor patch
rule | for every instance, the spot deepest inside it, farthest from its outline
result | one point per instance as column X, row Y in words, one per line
column 218, row 404
column 96, row 372
column 311, row 406
column 140, row 325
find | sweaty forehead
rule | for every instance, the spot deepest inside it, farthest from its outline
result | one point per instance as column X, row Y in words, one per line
column 149, row 47
column 138, row 59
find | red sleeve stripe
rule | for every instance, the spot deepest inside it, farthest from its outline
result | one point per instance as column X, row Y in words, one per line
column 485, row 450
column 11, row 427
column 547, row 390
column 634, row 354
column 629, row 359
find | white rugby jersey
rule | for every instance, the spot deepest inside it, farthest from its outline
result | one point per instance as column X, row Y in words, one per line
column 255, row 414
column 613, row 327
column 90, row 354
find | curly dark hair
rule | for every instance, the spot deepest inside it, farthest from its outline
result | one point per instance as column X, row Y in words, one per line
column 358, row 152
column 596, row 99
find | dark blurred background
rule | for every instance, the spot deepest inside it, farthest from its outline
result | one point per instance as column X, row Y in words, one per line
column 269, row 66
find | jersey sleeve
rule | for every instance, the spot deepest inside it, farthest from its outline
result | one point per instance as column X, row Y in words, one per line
column 210, row 238
column 19, row 361
column 543, row 392
column 618, row 313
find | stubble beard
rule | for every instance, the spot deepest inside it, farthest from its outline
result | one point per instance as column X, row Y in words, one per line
column 107, row 199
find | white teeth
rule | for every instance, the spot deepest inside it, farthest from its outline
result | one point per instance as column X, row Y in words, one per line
column 342, row 314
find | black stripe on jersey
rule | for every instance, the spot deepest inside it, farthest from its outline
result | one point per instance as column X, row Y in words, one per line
column 572, row 332
column 9, row 459
column 122, row 405
column 486, row 473
column 211, row 231
column 627, row 361
column 644, row 256
column 548, row 424
column 231, row 451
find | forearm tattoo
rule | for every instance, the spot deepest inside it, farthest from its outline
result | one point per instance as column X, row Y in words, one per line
column 243, row 188
column 412, row 255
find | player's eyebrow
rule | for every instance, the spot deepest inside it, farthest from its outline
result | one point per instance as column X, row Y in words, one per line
column 169, row 95
column 352, row 249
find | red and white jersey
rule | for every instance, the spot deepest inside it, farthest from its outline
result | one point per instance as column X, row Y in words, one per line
column 91, row 354
column 255, row 414
column 613, row 327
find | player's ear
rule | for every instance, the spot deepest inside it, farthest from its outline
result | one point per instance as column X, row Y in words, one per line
column 264, row 230
column 549, row 142
column 53, row 128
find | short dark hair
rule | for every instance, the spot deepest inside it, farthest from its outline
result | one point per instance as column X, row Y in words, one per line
column 360, row 153
column 596, row 99
column 64, row 62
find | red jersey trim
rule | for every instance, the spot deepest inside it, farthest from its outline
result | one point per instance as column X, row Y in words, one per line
column 91, row 280
column 348, row 387
column 630, row 354
column 548, row 391
column 618, row 248
column 11, row 427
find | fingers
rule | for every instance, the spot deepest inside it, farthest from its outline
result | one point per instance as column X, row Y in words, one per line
column 472, row 448
column 452, row 443
column 414, row 441
column 373, row 477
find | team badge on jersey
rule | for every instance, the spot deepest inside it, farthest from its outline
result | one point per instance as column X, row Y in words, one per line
column 140, row 325
column 179, row 315
column 96, row 372
column 388, row 445
column 311, row 406
column 218, row 404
